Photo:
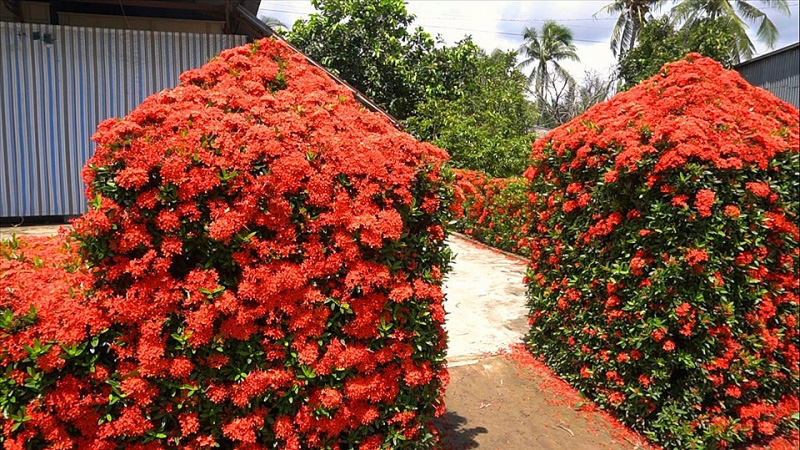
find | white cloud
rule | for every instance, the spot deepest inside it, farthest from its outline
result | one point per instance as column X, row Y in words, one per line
column 499, row 24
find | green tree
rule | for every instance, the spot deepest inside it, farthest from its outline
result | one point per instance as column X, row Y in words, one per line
column 486, row 124
column 661, row 43
column 543, row 49
column 733, row 15
column 632, row 16
column 446, row 72
column 368, row 44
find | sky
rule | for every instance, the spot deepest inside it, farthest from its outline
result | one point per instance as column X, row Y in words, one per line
column 499, row 24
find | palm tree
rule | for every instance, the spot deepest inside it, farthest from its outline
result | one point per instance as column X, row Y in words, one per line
column 734, row 13
column 631, row 20
column 271, row 22
column 546, row 48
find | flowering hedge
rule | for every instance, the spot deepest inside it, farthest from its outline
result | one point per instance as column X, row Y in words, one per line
column 265, row 260
column 663, row 280
column 494, row 211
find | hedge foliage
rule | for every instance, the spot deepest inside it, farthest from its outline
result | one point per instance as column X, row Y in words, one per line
column 494, row 211
column 264, row 268
column 663, row 280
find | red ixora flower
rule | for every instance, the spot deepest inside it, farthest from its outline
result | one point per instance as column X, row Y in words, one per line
column 732, row 211
column 258, row 242
column 703, row 201
column 758, row 189
column 696, row 256
column 683, row 309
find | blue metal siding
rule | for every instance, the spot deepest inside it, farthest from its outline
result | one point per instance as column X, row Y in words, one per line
column 53, row 95
column 778, row 73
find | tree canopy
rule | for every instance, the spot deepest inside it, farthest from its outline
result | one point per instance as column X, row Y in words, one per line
column 458, row 97
column 660, row 43
column 733, row 15
column 632, row 15
column 487, row 125
column 367, row 43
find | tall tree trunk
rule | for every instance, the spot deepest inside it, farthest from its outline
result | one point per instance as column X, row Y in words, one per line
column 540, row 89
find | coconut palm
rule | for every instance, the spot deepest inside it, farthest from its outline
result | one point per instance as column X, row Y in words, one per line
column 271, row 22
column 736, row 13
column 632, row 18
column 546, row 48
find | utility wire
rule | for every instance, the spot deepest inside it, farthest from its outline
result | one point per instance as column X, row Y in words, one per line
column 502, row 19
column 507, row 33
column 448, row 16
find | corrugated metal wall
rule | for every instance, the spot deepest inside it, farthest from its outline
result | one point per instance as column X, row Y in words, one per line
column 57, row 83
column 778, row 73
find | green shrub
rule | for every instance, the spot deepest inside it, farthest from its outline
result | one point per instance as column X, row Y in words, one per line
column 663, row 281
column 265, row 262
column 494, row 211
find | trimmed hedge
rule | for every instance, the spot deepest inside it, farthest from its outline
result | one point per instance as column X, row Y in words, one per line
column 663, row 280
column 494, row 211
column 266, row 260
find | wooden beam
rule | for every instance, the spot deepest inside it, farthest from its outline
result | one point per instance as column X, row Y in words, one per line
column 201, row 6
column 15, row 6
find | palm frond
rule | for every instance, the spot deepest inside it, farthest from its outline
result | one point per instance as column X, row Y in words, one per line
column 611, row 9
column 616, row 34
column 272, row 22
column 767, row 31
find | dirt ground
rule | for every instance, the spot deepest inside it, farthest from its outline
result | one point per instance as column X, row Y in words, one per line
column 493, row 401
column 496, row 404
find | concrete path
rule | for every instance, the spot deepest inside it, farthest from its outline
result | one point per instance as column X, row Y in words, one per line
column 485, row 301
column 6, row 232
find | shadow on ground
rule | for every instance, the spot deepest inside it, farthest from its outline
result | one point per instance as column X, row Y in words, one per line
column 456, row 433
column 495, row 404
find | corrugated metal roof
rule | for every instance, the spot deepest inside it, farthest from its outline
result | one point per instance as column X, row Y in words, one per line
column 58, row 82
column 777, row 72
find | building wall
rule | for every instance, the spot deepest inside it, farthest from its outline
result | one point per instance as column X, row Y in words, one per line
column 57, row 83
column 778, row 73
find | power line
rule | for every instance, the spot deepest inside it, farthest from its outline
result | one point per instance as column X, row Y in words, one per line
column 448, row 16
column 507, row 33
column 501, row 19
column 508, row 19
column 299, row 13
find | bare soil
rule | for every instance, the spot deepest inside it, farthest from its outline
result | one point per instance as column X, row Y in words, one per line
column 496, row 404
column 494, row 400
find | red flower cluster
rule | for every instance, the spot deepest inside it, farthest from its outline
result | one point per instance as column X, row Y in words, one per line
column 265, row 268
column 671, row 210
column 493, row 210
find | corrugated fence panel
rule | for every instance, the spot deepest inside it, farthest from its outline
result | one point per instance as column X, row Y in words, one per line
column 778, row 73
column 58, row 82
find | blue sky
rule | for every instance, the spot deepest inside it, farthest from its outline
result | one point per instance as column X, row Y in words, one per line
column 499, row 24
